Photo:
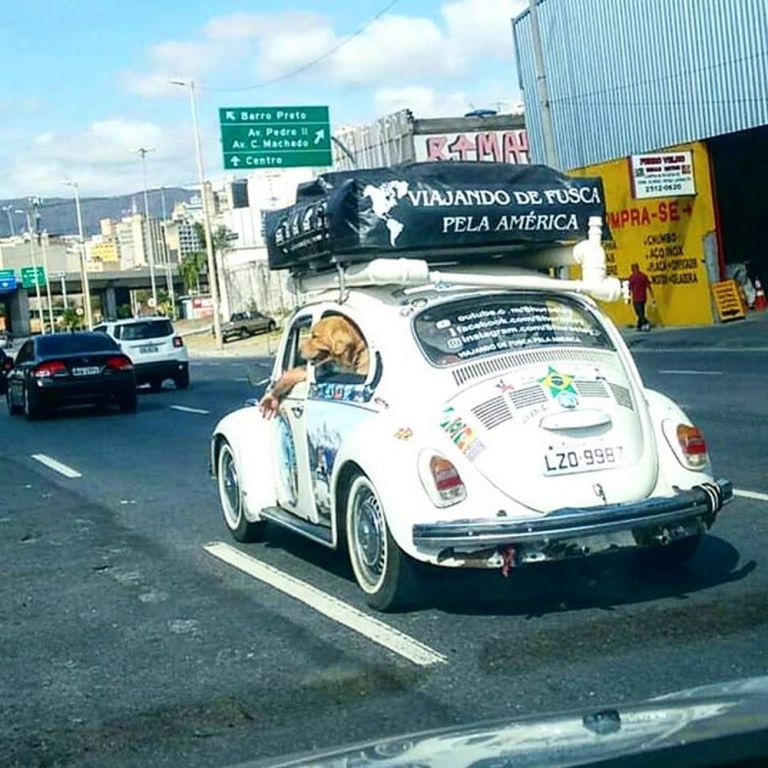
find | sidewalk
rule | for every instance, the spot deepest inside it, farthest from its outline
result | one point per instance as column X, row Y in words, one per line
column 750, row 333
column 201, row 344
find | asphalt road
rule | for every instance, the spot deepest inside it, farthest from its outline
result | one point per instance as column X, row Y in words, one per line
column 124, row 643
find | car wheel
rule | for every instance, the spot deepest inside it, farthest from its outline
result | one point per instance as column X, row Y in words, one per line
column 181, row 380
column 156, row 384
column 127, row 403
column 271, row 327
column 13, row 409
column 383, row 571
column 31, row 407
column 671, row 555
column 231, row 498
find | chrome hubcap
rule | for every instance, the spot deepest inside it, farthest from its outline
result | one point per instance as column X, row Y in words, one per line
column 230, row 489
column 369, row 536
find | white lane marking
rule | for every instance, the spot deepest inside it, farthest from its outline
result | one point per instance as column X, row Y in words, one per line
column 750, row 494
column 694, row 373
column 187, row 409
column 336, row 610
column 56, row 466
column 242, row 378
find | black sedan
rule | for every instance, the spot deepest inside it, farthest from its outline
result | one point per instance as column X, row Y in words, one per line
column 70, row 369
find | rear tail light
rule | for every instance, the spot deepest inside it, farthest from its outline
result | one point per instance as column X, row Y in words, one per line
column 441, row 480
column 119, row 363
column 8, row 364
column 693, row 445
column 687, row 443
column 178, row 341
column 50, row 368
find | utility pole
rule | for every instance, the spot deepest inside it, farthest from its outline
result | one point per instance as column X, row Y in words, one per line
column 168, row 271
column 33, row 204
column 9, row 210
column 151, row 246
column 86, row 287
column 44, row 245
column 63, row 278
column 206, row 213
column 547, row 130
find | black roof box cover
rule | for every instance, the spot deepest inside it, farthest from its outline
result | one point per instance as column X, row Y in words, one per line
column 457, row 211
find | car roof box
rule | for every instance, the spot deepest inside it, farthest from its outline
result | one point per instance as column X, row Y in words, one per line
column 456, row 212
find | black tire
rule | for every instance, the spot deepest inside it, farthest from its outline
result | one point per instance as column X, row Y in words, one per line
column 31, row 407
column 127, row 403
column 155, row 384
column 181, row 380
column 385, row 574
column 670, row 556
column 231, row 498
column 271, row 327
column 13, row 409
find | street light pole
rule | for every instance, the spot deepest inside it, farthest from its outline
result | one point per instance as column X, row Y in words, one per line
column 151, row 246
column 166, row 256
column 206, row 213
column 9, row 209
column 83, row 271
column 44, row 247
column 34, row 271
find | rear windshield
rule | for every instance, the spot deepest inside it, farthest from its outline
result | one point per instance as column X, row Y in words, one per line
column 74, row 343
column 148, row 329
column 463, row 330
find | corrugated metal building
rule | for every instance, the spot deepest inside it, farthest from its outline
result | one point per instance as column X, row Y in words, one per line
column 628, row 76
column 653, row 81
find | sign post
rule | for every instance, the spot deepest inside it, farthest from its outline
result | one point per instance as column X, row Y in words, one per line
column 275, row 137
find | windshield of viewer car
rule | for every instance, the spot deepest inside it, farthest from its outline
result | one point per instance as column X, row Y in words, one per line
column 457, row 331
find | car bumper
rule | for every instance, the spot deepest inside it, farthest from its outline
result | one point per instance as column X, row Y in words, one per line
column 53, row 393
column 644, row 523
column 165, row 369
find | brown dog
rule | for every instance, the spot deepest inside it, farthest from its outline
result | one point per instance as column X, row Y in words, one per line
column 332, row 340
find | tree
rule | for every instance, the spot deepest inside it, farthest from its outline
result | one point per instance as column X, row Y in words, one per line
column 191, row 267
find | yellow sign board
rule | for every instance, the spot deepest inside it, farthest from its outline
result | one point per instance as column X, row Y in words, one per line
column 665, row 236
column 729, row 301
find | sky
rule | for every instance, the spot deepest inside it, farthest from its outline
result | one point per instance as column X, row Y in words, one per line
column 84, row 83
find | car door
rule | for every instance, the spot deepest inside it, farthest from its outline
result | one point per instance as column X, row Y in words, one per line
column 24, row 359
column 289, row 435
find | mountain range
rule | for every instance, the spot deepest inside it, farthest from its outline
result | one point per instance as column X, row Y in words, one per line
column 57, row 214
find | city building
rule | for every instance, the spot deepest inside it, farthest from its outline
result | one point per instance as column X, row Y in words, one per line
column 668, row 103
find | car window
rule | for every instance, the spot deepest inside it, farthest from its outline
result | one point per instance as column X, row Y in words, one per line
column 147, row 329
column 25, row 353
column 74, row 343
column 300, row 332
column 332, row 373
column 457, row 331
column 100, row 329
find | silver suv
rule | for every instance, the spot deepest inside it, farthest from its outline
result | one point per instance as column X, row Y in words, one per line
column 155, row 349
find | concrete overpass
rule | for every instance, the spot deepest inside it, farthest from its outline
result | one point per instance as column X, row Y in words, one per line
column 112, row 288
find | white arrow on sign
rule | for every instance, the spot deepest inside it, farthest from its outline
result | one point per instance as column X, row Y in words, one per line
column 230, row 115
column 235, row 161
column 319, row 135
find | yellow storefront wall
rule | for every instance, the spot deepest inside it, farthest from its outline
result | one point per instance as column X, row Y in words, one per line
column 665, row 236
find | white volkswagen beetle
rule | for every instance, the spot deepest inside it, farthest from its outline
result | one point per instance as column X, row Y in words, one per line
column 502, row 423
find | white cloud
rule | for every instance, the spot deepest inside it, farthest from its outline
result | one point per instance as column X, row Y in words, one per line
column 422, row 101
column 102, row 159
column 393, row 50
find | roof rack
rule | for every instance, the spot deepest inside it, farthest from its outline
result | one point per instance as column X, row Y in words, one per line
column 411, row 272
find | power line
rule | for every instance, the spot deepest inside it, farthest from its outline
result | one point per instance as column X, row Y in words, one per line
column 304, row 67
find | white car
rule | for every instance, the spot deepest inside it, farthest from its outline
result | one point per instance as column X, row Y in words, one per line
column 156, row 350
column 496, row 428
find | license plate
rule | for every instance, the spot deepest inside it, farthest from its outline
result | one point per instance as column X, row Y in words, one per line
column 91, row 370
column 582, row 458
column 148, row 350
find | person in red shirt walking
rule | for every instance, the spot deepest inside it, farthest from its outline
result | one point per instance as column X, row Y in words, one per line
column 639, row 290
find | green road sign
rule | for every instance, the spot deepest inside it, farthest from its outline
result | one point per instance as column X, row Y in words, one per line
column 32, row 276
column 275, row 137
